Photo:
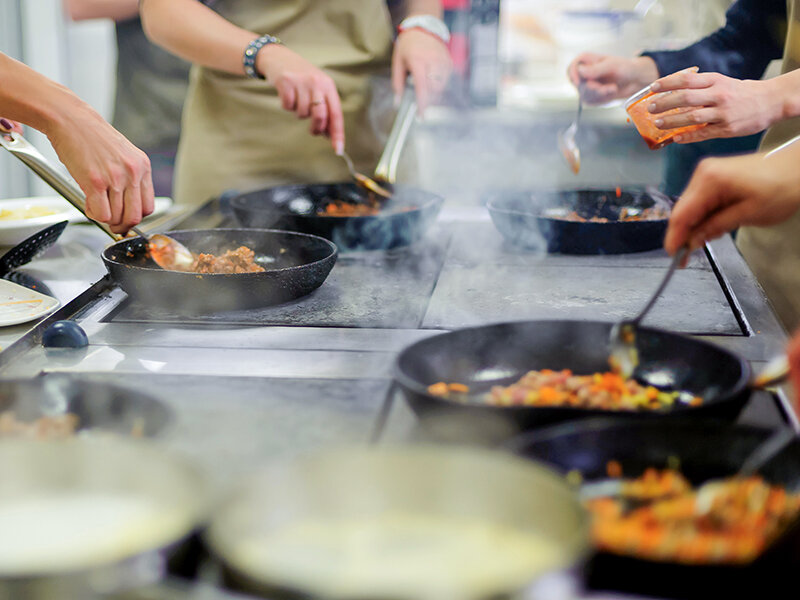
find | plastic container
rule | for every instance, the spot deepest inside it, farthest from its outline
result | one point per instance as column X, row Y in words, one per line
column 636, row 107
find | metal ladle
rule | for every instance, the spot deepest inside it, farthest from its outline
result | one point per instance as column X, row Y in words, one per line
column 166, row 252
column 566, row 137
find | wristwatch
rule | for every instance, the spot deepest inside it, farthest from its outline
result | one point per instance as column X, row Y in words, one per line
column 250, row 53
column 429, row 23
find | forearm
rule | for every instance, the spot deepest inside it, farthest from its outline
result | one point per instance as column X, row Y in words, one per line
column 118, row 10
column 196, row 33
column 33, row 99
column 422, row 7
column 786, row 88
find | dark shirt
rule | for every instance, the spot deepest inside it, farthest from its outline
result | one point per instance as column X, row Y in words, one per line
column 753, row 35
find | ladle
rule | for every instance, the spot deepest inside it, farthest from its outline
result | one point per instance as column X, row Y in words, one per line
column 166, row 252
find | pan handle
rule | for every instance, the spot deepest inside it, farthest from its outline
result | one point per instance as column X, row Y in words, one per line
column 36, row 162
column 406, row 113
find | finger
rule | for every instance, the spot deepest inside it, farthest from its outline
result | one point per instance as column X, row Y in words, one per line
column 597, row 70
column 287, row 94
column 706, row 133
column 132, row 209
column 598, row 93
column 148, row 193
column 724, row 221
column 704, row 194
column 335, row 119
column 97, row 206
column 585, row 58
column 421, row 86
column 319, row 116
column 437, row 79
column 116, row 202
column 695, row 116
column 303, row 108
column 399, row 74
column 687, row 78
column 681, row 99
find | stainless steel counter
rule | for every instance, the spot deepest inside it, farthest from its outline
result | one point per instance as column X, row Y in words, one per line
column 310, row 374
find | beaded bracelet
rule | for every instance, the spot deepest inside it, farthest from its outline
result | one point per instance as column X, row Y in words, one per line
column 250, row 53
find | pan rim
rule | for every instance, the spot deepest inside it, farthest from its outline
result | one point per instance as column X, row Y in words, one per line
column 416, row 387
column 334, row 251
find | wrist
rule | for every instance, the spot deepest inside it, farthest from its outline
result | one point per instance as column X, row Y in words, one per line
column 428, row 24
column 250, row 57
column 784, row 91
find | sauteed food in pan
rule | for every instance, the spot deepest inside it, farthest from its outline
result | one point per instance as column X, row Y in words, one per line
column 44, row 428
column 660, row 516
column 604, row 391
column 241, row 260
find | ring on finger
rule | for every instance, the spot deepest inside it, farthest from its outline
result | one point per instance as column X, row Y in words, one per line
column 317, row 101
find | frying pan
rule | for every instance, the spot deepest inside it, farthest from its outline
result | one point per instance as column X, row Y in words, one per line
column 706, row 450
column 500, row 354
column 529, row 219
column 100, row 407
column 296, row 264
column 403, row 219
column 360, row 485
column 72, row 484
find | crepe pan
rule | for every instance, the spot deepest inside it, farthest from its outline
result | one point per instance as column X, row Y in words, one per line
column 403, row 219
column 500, row 354
column 706, row 450
column 529, row 218
column 296, row 264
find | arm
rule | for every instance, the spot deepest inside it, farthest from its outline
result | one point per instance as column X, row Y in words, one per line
column 753, row 35
column 114, row 175
column 725, row 193
column 729, row 107
column 118, row 10
column 422, row 55
column 195, row 32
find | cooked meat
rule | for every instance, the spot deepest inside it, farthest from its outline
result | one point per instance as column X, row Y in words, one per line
column 241, row 260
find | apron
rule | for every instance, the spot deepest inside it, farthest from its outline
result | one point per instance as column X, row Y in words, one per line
column 235, row 135
column 773, row 253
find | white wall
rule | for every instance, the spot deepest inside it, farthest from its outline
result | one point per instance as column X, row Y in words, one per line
column 82, row 56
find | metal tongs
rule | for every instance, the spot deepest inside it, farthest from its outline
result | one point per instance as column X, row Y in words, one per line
column 165, row 251
column 403, row 120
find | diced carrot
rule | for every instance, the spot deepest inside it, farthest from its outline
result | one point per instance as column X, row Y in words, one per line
column 438, row 389
column 459, row 388
column 549, row 395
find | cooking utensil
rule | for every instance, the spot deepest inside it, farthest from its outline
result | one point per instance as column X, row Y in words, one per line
column 167, row 252
column 91, row 516
column 31, row 247
column 386, row 170
column 361, row 485
column 402, row 220
column 99, row 407
column 363, row 180
column 566, row 137
column 622, row 340
column 499, row 354
column 295, row 265
column 706, row 450
column 537, row 220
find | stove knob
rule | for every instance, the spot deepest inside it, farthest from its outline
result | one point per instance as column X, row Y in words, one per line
column 65, row 334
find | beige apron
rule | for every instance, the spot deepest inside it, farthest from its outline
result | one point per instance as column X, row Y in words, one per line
column 773, row 253
column 235, row 135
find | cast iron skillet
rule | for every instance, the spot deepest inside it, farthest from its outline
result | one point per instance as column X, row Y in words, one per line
column 296, row 264
column 706, row 449
column 500, row 354
column 403, row 219
column 527, row 218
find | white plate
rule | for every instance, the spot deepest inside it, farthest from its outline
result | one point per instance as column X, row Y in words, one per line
column 19, row 304
column 14, row 231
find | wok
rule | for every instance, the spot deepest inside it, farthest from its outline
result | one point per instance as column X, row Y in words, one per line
column 403, row 219
column 360, row 485
column 531, row 219
column 500, row 354
column 296, row 264
column 706, row 450
column 91, row 516
column 99, row 407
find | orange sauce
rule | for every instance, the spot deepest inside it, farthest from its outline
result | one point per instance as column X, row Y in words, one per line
column 644, row 120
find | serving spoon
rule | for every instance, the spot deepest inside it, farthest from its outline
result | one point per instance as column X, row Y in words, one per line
column 363, row 180
column 166, row 252
column 566, row 137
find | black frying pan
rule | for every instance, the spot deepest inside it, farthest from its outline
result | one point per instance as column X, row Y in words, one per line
column 403, row 219
column 706, row 450
column 500, row 354
column 296, row 264
column 531, row 219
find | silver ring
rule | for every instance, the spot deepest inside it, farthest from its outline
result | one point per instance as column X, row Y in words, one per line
column 315, row 102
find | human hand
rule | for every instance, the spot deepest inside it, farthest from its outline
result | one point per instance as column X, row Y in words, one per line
column 112, row 172
column 305, row 90
column 729, row 107
column 10, row 125
column 725, row 193
column 428, row 61
column 611, row 77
